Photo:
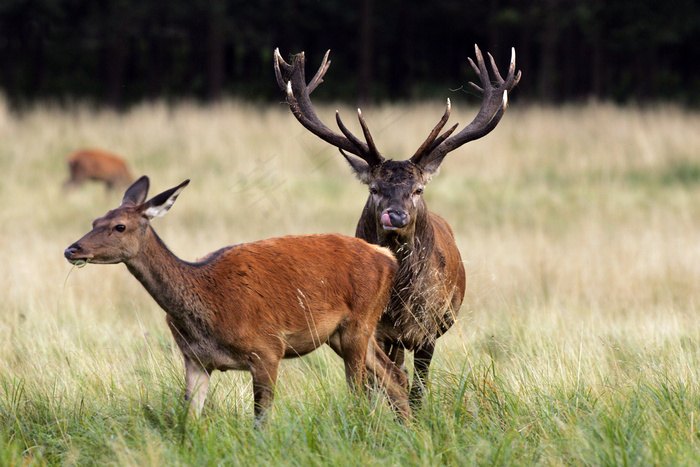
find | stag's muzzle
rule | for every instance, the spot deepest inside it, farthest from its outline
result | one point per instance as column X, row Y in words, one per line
column 394, row 219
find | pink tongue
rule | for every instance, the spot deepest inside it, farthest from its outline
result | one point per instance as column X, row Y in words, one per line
column 386, row 220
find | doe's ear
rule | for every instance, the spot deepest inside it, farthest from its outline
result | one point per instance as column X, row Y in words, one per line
column 160, row 204
column 136, row 193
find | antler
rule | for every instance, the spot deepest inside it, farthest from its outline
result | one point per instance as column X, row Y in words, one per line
column 300, row 103
column 492, row 108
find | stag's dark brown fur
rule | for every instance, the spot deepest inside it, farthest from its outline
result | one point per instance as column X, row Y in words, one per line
column 246, row 307
column 430, row 284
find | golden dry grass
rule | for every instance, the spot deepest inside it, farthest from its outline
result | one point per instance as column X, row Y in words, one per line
column 579, row 227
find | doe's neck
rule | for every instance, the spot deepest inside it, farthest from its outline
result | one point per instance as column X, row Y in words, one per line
column 168, row 279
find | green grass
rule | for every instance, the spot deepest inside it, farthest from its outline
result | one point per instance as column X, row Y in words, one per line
column 578, row 342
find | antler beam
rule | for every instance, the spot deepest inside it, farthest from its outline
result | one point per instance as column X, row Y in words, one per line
column 300, row 103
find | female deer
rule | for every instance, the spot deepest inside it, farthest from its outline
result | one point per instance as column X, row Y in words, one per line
column 98, row 165
column 246, row 307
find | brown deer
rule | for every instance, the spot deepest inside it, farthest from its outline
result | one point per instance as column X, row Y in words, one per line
column 246, row 307
column 430, row 284
column 98, row 165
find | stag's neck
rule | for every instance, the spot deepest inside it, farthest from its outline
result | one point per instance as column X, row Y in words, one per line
column 168, row 279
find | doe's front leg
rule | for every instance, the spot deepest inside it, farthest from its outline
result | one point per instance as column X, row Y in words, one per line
column 196, row 386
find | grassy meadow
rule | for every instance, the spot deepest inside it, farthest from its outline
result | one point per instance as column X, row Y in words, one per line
column 578, row 341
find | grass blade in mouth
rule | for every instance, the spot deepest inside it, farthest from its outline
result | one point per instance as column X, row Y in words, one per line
column 77, row 263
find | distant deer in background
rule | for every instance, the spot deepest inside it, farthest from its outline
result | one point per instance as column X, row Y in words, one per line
column 97, row 165
column 430, row 284
column 246, row 307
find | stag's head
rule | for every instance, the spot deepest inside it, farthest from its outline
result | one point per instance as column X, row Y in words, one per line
column 396, row 194
column 396, row 187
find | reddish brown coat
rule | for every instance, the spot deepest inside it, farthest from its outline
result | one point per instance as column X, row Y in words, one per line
column 97, row 165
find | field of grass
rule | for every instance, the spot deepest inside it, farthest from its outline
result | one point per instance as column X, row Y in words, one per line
column 578, row 342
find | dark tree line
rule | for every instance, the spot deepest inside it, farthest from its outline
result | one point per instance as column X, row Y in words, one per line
column 123, row 51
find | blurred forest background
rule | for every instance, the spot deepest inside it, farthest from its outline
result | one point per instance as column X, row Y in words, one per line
column 119, row 52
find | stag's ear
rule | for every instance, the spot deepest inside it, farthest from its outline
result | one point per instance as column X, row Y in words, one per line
column 359, row 166
column 160, row 204
column 432, row 167
column 136, row 193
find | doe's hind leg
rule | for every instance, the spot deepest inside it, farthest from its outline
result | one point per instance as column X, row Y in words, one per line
column 264, row 369
column 389, row 377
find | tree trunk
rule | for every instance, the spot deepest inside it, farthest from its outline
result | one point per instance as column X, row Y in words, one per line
column 366, row 44
column 215, row 50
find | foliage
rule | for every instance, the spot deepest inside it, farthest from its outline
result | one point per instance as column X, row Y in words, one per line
column 124, row 51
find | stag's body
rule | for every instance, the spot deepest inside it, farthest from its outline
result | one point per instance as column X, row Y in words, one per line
column 430, row 284
column 246, row 307
column 97, row 165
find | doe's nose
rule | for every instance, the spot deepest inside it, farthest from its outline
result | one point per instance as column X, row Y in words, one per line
column 71, row 250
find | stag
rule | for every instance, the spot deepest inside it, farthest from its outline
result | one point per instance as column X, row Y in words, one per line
column 430, row 284
column 97, row 165
column 246, row 307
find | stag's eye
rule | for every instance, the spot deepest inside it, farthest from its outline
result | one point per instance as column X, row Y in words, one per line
column 418, row 192
column 373, row 190
column 120, row 227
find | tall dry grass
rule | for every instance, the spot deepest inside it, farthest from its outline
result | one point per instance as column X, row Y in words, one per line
column 577, row 341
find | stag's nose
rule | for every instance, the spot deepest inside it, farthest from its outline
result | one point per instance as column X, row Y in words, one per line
column 394, row 218
column 71, row 250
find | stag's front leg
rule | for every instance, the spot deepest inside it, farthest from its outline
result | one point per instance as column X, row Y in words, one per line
column 396, row 354
column 421, row 365
column 196, row 386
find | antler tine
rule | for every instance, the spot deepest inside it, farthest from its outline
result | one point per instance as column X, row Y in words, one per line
column 354, row 139
column 368, row 137
column 318, row 78
column 495, row 101
column 372, row 154
column 480, row 70
column 511, row 68
column 496, row 73
column 442, row 137
column 434, row 134
column 278, row 73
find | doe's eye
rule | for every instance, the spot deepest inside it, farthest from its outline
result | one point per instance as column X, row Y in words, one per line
column 120, row 227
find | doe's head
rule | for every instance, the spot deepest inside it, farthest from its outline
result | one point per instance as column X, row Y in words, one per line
column 118, row 235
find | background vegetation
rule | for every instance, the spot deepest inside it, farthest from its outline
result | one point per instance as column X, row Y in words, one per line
column 123, row 51
column 578, row 342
